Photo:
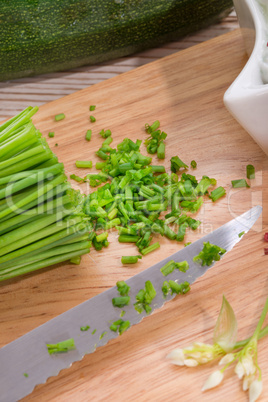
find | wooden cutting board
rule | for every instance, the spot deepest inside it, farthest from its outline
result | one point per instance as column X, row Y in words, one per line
column 184, row 91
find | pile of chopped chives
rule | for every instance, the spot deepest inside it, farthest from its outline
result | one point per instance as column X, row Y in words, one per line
column 140, row 199
column 41, row 218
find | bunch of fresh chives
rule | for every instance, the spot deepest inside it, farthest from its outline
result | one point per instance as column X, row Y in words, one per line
column 41, row 219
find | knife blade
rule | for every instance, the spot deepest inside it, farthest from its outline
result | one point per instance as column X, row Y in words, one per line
column 28, row 354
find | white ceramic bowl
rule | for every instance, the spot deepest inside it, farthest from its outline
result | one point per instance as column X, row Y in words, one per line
column 247, row 97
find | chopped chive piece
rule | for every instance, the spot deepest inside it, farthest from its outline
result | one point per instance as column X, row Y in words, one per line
column 102, row 154
column 217, row 193
column 193, row 164
column 209, row 254
column 192, row 206
column 250, row 172
column 187, row 244
column 102, row 335
column 241, row 234
column 59, row 117
column 203, row 185
column 155, row 142
column 92, row 119
column 193, row 223
column 100, row 165
column 131, row 259
column 77, row 178
column 112, row 223
column 120, row 326
column 121, row 301
column 26, row 375
column 83, row 164
column 168, row 268
column 128, row 239
column 176, row 164
column 51, row 134
column 151, row 248
column 105, row 133
column 181, row 288
column 75, row 260
column 96, row 179
column 122, row 288
column 63, row 346
column 168, row 232
column 161, row 150
column 144, row 298
column 93, row 332
column 174, row 287
column 115, row 325
column 123, row 327
column 88, row 135
column 239, row 183
column 153, row 127
column 158, row 169
column 107, row 141
column 165, row 288
column 56, row 145
column 86, row 328
column 122, row 313
column 112, row 214
column 171, row 265
column 183, row 266
column 181, row 231
column 92, row 108
column 101, row 237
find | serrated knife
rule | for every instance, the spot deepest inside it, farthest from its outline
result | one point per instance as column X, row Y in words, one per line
column 29, row 354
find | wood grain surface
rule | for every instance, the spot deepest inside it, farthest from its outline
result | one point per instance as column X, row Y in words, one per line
column 184, row 91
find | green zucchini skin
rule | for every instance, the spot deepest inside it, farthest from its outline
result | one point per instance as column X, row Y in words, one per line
column 42, row 36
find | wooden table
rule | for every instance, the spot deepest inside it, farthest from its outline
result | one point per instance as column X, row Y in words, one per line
column 134, row 367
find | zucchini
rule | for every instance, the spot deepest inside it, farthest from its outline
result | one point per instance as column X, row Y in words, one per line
column 41, row 36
